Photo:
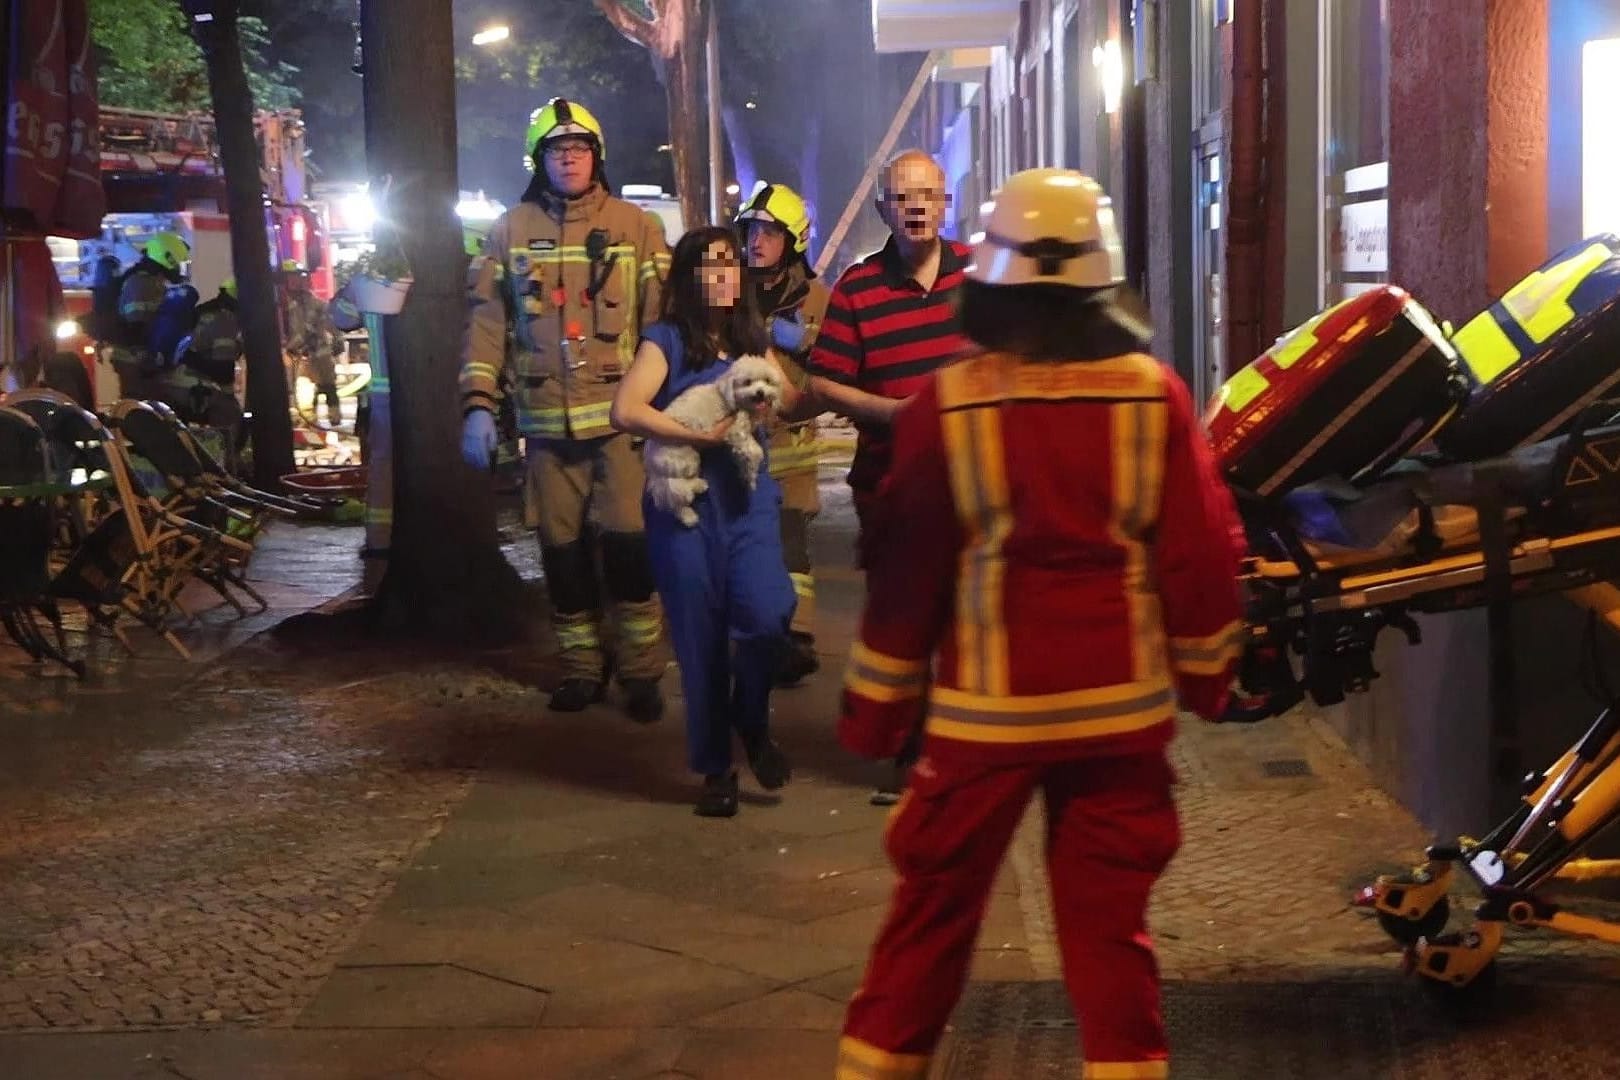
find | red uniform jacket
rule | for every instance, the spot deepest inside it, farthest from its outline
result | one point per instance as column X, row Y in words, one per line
column 1055, row 562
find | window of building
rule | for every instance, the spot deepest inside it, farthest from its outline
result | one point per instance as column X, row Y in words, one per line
column 1355, row 146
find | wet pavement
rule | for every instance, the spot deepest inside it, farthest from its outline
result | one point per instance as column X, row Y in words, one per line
column 303, row 861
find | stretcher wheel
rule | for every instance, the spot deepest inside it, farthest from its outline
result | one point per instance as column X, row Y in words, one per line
column 1408, row 932
column 1474, row 995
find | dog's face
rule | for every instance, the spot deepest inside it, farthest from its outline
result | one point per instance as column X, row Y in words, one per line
column 753, row 385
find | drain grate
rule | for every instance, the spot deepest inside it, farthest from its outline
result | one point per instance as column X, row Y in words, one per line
column 1277, row 768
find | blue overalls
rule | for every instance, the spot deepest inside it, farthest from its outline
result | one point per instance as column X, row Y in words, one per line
column 724, row 584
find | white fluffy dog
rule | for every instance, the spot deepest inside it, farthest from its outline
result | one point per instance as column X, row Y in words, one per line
column 750, row 388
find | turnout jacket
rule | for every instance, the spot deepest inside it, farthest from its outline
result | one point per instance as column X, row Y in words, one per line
column 590, row 268
column 1055, row 562
column 801, row 298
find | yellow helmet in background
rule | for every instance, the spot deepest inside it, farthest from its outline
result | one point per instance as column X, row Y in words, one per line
column 1050, row 227
column 228, row 287
column 169, row 250
column 559, row 117
column 782, row 205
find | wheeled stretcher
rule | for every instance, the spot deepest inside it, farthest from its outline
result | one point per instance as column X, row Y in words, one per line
column 1334, row 563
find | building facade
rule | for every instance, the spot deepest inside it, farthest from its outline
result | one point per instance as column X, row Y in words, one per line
column 1270, row 157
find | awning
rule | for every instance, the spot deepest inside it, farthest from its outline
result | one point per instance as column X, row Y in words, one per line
column 922, row 25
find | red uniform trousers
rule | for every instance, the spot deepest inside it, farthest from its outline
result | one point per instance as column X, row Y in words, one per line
column 1111, row 830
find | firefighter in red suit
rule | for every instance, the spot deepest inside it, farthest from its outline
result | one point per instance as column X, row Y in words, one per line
column 1057, row 568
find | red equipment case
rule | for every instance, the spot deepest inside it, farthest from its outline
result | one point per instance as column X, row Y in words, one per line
column 1345, row 394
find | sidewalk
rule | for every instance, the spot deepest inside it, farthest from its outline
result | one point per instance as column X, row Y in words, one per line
column 306, row 869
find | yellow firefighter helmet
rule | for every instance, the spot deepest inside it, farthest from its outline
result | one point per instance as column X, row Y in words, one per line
column 559, row 117
column 169, row 250
column 780, row 204
column 1050, row 227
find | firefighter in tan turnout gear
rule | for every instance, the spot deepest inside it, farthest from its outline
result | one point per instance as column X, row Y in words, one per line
column 776, row 238
column 574, row 274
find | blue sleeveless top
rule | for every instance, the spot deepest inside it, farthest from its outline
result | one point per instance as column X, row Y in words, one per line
column 719, row 469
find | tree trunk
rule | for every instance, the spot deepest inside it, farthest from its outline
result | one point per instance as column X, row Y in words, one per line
column 446, row 577
column 674, row 32
column 250, row 248
column 683, row 83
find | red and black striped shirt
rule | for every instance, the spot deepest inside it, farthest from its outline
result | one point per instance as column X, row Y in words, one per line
column 886, row 335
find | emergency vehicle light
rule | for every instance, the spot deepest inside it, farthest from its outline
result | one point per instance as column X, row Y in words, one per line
column 66, row 330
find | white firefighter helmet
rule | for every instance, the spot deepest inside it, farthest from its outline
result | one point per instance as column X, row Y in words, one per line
column 1050, row 227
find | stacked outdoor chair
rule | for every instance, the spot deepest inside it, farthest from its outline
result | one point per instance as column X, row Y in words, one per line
column 27, row 491
column 79, row 524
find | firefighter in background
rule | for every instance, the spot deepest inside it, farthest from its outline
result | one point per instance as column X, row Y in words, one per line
column 205, row 375
column 313, row 341
column 1057, row 540
column 776, row 237
column 141, row 291
column 573, row 274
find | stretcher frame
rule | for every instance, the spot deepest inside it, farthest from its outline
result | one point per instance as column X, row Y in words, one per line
column 1331, row 618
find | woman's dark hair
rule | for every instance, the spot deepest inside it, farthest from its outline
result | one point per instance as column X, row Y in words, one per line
column 741, row 333
column 1055, row 322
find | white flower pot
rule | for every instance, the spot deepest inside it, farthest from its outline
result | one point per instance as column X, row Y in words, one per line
column 377, row 296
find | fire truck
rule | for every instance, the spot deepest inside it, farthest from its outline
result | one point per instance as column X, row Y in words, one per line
column 161, row 172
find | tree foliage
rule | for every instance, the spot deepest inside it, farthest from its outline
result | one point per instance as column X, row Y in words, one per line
column 148, row 60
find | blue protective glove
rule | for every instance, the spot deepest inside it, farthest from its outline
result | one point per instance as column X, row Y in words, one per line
column 787, row 335
column 478, row 438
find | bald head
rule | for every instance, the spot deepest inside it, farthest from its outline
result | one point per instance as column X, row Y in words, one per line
column 906, row 168
column 912, row 198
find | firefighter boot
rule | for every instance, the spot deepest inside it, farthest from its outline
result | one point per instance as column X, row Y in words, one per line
column 576, row 694
column 643, row 700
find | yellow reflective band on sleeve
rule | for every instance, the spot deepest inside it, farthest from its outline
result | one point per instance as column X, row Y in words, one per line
column 1540, row 303
column 1242, row 388
column 1207, row 655
column 475, row 370
column 1125, row 1070
column 882, row 678
column 804, row 585
column 860, row 1060
column 379, row 515
column 1485, row 347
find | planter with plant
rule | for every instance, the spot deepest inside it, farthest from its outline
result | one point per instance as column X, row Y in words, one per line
column 378, row 281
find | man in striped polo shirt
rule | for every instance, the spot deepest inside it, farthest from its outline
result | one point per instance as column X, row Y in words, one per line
column 892, row 318
column 890, row 324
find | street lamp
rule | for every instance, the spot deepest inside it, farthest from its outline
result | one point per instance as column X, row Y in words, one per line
column 491, row 35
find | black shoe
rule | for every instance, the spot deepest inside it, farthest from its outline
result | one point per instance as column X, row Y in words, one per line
column 576, row 694
column 719, row 796
column 799, row 661
column 643, row 701
column 767, row 762
column 888, row 793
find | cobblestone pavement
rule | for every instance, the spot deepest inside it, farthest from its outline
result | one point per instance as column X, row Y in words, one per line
column 346, row 864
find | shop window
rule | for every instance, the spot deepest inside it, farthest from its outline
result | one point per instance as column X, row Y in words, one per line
column 1355, row 150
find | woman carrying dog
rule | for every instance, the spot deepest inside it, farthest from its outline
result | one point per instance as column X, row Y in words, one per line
column 723, row 581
